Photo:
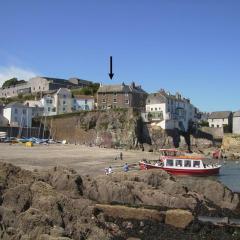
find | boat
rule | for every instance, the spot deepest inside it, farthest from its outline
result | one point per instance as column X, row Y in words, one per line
column 176, row 163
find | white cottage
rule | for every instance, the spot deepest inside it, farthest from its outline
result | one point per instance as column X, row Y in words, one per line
column 57, row 103
column 236, row 122
column 83, row 102
column 220, row 119
column 170, row 111
column 18, row 115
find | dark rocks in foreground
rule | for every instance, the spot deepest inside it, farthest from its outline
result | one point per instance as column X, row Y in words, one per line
column 60, row 204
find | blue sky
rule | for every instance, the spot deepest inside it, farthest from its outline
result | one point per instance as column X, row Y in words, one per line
column 180, row 45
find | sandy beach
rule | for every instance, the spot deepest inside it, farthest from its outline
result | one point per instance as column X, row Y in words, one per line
column 85, row 160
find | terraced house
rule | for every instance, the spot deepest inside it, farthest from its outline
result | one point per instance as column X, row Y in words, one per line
column 42, row 85
column 121, row 96
column 170, row 111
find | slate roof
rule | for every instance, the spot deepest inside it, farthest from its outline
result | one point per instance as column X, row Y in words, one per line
column 15, row 104
column 162, row 97
column 120, row 88
column 236, row 114
column 220, row 115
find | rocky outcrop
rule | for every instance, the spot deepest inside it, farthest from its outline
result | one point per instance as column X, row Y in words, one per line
column 160, row 190
column 60, row 204
column 113, row 128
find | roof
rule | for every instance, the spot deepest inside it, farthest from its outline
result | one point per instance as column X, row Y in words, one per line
column 162, row 97
column 120, row 88
column 220, row 115
column 236, row 114
column 15, row 104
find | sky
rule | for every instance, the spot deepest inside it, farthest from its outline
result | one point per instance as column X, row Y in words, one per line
column 189, row 46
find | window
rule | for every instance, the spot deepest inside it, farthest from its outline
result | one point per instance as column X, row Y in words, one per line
column 115, row 94
column 49, row 109
column 169, row 163
column 126, row 101
column 15, row 119
column 64, row 102
column 217, row 126
column 64, row 109
column 151, row 109
column 179, row 163
column 39, row 87
column 104, row 100
column 126, row 95
column 15, row 110
column 155, row 109
column 196, row 164
column 187, row 163
column 86, row 101
column 114, row 100
column 64, row 96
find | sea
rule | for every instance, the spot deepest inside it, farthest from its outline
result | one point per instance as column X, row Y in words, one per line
column 230, row 174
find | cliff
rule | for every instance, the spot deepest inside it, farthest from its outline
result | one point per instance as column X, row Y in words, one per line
column 121, row 128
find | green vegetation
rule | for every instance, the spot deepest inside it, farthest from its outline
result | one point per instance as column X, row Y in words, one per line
column 204, row 124
column 91, row 90
column 12, row 82
column 20, row 98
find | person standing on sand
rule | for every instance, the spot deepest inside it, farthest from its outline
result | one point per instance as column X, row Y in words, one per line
column 125, row 167
column 121, row 156
column 110, row 170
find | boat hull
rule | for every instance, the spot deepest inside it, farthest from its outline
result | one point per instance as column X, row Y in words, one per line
column 178, row 171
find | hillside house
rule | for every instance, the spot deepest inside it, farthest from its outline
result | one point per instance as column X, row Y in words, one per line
column 42, row 85
column 18, row 115
column 83, row 102
column 236, row 122
column 57, row 103
column 121, row 96
column 170, row 111
column 220, row 119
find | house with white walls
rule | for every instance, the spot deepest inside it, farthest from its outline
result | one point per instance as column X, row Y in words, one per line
column 220, row 119
column 58, row 102
column 18, row 115
column 83, row 103
column 170, row 111
column 37, row 107
column 236, row 122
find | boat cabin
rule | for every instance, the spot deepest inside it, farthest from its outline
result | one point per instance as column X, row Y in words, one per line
column 183, row 163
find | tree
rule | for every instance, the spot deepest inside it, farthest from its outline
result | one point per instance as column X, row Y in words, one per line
column 12, row 82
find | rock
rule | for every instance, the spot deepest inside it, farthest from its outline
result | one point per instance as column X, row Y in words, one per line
column 130, row 213
column 64, row 179
column 178, row 218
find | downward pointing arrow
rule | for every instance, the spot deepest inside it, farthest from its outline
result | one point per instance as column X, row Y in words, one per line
column 111, row 74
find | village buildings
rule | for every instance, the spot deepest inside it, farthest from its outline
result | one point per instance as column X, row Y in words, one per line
column 42, row 85
column 83, row 102
column 170, row 111
column 18, row 115
column 236, row 122
column 121, row 96
column 220, row 119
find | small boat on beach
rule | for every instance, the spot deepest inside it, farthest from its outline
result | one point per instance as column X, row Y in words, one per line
column 178, row 163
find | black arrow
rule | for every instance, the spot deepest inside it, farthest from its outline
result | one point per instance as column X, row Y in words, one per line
column 111, row 73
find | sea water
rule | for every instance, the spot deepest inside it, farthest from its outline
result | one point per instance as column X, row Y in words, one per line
column 230, row 174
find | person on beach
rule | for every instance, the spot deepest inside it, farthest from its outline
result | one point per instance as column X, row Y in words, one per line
column 106, row 171
column 125, row 167
column 121, row 156
column 110, row 170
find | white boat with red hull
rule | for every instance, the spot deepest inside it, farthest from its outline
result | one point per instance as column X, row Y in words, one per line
column 178, row 164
